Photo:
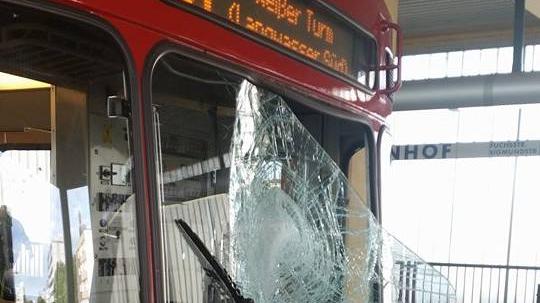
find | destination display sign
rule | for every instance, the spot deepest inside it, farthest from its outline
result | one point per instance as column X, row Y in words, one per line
column 298, row 28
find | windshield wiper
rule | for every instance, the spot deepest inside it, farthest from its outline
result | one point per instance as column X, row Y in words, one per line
column 211, row 267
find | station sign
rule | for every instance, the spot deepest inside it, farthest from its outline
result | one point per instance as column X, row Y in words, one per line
column 466, row 150
column 303, row 29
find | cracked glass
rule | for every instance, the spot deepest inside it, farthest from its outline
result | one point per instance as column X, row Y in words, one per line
column 299, row 232
column 268, row 202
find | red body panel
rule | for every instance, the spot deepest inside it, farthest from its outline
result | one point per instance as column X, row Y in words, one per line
column 153, row 20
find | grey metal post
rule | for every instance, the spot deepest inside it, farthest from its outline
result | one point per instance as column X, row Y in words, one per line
column 511, row 216
column 519, row 33
column 70, row 268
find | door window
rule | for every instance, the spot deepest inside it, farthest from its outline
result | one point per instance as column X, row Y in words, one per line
column 67, row 204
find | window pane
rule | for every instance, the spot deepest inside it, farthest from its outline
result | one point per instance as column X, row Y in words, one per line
column 438, row 65
column 422, row 67
column 68, row 230
column 419, row 67
column 455, row 64
column 194, row 108
column 329, row 253
column 437, row 220
column 536, row 60
column 470, row 62
column 255, row 177
column 30, row 244
column 358, row 173
column 493, row 123
column 406, row 126
column 488, row 61
column 408, row 68
column 530, row 122
column 387, row 178
column 525, row 247
column 529, row 58
column 504, row 64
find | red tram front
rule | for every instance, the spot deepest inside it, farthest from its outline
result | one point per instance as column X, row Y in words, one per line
column 193, row 150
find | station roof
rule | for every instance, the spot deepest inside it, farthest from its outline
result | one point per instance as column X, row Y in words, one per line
column 445, row 25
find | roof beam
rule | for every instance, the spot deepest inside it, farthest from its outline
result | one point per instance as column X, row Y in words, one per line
column 519, row 36
column 392, row 6
column 469, row 40
column 498, row 89
column 533, row 6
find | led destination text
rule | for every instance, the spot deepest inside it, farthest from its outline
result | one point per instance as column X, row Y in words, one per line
column 291, row 24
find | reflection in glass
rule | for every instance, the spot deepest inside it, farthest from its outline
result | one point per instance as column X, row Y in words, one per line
column 266, row 200
column 32, row 256
column 299, row 232
column 194, row 113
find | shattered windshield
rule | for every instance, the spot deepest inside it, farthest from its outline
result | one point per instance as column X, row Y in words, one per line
column 266, row 201
column 299, row 232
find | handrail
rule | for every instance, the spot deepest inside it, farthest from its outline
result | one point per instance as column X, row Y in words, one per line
column 485, row 266
column 386, row 26
column 492, row 283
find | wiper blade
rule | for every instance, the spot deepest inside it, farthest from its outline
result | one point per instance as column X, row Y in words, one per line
column 211, row 267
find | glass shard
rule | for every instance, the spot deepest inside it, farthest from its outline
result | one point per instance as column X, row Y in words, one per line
column 299, row 232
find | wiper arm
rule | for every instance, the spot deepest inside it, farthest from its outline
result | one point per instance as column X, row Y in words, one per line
column 211, row 267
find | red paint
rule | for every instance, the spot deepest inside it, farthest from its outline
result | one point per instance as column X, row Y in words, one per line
column 144, row 23
column 172, row 24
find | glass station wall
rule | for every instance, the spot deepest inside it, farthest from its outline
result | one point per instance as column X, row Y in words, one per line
column 458, row 210
column 469, row 62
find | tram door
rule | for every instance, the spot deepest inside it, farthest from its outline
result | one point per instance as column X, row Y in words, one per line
column 67, row 203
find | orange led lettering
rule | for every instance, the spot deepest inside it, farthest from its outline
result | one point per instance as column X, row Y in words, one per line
column 234, row 13
column 292, row 14
column 333, row 61
column 319, row 29
column 281, row 9
column 269, row 32
column 277, row 19
column 282, row 39
column 287, row 42
column 342, row 65
column 206, row 4
column 313, row 54
column 327, row 57
column 250, row 24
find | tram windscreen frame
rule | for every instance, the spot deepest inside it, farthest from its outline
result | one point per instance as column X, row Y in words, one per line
column 305, row 31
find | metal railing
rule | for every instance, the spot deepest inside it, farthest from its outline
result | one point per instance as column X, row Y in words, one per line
column 492, row 283
column 419, row 282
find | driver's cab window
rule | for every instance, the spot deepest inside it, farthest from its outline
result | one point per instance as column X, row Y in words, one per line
column 229, row 151
column 67, row 203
